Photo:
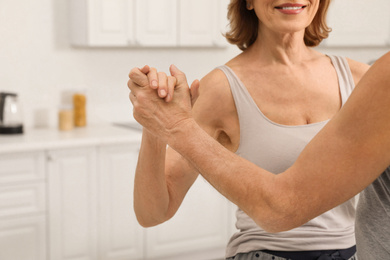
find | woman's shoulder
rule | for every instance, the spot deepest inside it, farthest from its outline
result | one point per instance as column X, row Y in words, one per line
column 214, row 95
column 358, row 69
column 214, row 109
column 216, row 85
column 215, row 82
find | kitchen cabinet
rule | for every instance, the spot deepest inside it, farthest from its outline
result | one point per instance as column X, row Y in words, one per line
column 69, row 195
column 22, row 206
column 352, row 23
column 120, row 235
column 72, row 184
column 101, row 22
column 90, row 194
column 148, row 23
column 156, row 22
column 202, row 22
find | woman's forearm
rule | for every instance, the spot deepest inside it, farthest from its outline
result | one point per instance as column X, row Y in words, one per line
column 151, row 198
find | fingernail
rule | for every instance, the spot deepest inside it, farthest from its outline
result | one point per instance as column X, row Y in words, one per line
column 163, row 92
column 154, row 83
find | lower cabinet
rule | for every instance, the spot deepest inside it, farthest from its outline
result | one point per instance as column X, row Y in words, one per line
column 72, row 195
column 22, row 206
column 120, row 236
column 90, row 204
column 77, row 204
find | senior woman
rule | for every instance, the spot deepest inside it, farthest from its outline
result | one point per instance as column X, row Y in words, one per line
column 267, row 103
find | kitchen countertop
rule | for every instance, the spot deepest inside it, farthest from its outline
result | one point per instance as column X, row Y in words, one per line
column 44, row 139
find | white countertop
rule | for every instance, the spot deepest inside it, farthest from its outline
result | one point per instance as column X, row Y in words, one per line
column 44, row 139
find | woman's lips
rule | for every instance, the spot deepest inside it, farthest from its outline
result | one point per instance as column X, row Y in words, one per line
column 290, row 8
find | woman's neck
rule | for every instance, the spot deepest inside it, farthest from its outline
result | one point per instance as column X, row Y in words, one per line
column 280, row 48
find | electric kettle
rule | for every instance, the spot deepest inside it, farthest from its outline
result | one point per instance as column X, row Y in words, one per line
column 10, row 114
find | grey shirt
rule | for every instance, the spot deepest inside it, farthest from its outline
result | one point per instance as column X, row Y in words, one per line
column 373, row 220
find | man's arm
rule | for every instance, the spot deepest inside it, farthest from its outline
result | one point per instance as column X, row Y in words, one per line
column 351, row 151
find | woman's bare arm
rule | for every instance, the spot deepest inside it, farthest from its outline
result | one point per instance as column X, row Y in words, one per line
column 163, row 176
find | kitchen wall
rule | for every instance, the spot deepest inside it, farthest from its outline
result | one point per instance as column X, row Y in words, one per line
column 37, row 61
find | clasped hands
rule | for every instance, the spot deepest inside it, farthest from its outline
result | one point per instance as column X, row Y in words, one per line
column 161, row 103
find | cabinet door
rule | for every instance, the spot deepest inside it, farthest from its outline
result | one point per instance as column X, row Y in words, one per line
column 102, row 22
column 202, row 22
column 354, row 23
column 23, row 238
column 199, row 230
column 156, row 22
column 72, row 204
column 197, row 22
column 120, row 236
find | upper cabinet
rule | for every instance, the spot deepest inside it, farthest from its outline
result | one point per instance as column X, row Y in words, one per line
column 101, row 22
column 202, row 22
column 359, row 23
column 158, row 23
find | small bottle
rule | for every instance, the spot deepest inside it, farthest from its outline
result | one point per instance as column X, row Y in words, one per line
column 65, row 118
column 80, row 113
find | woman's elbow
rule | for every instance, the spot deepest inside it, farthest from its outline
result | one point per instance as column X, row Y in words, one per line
column 148, row 220
column 147, row 217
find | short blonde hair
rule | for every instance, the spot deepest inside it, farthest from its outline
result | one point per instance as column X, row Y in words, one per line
column 244, row 25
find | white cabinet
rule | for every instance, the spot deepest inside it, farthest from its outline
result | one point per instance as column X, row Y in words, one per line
column 90, row 209
column 354, row 23
column 71, row 197
column 156, row 22
column 22, row 207
column 120, row 236
column 202, row 22
column 159, row 23
column 200, row 229
column 72, row 184
column 101, row 22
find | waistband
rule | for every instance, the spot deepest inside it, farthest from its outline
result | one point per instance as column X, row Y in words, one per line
column 339, row 254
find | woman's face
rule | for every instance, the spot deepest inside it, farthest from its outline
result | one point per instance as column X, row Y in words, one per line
column 284, row 16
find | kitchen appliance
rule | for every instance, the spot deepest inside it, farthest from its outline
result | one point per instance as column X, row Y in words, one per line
column 10, row 114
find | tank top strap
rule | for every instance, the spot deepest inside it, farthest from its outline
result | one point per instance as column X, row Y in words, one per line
column 344, row 74
column 243, row 100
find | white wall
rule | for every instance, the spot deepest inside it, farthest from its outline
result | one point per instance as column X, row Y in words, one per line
column 37, row 61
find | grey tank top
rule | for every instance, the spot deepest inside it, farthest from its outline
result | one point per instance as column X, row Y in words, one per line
column 373, row 220
column 275, row 147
